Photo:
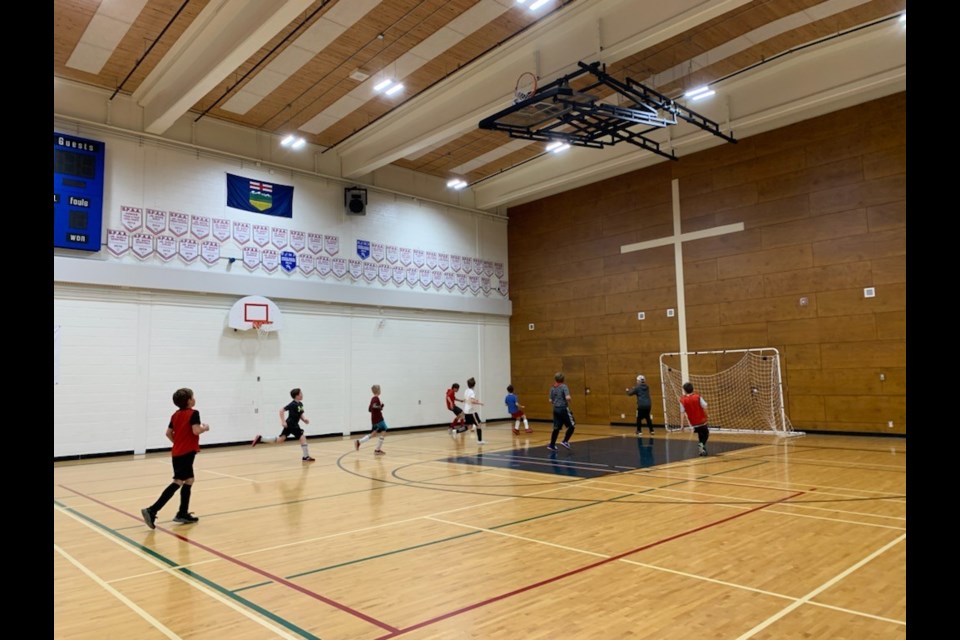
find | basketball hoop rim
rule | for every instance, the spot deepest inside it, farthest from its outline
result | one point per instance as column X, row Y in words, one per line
column 519, row 95
column 259, row 325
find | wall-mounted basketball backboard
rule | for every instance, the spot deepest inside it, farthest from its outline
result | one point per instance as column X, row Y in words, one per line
column 255, row 312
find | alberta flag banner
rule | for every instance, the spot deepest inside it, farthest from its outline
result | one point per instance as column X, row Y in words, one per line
column 258, row 196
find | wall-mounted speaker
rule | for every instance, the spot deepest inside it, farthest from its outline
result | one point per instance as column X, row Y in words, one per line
column 355, row 201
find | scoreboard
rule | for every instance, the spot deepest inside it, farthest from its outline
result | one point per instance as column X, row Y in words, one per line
column 77, row 192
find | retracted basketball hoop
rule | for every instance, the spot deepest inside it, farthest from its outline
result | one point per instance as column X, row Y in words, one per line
column 525, row 88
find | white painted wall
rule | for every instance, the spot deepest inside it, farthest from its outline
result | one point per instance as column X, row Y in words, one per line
column 133, row 331
column 124, row 353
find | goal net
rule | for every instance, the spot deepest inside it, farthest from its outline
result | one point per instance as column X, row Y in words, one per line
column 742, row 388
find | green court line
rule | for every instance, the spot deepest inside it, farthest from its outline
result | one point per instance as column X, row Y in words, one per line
column 196, row 576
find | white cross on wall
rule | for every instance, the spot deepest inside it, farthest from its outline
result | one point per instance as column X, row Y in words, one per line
column 677, row 240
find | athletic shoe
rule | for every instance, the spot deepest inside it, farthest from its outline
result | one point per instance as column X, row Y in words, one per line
column 356, row 445
column 639, row 434
column 308, row 459
column 186, row 518
column 565, row 443
column 551, row 447
column 149, row 518
column 516, row 432
column 529, row 431
column 481, row 442
column 256, row 441
column 379, row 452
column 461, row 429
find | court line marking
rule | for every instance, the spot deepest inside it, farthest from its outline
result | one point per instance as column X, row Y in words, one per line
column 116, row 594
column 826, row 585
column 572, row 572
column 175, row 572
column 797, row 505
column 745, row 505
column 733, row 585
column 842, row 491
column 258, row 570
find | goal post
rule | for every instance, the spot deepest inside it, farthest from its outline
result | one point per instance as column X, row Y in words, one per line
column 743, row 389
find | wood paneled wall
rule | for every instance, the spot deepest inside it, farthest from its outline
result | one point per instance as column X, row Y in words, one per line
column 824, row 208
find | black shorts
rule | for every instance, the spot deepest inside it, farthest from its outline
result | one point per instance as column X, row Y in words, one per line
column 456, row 410
column 471, row 418
column 183, row 466
column 563, row 416
column 292, row 432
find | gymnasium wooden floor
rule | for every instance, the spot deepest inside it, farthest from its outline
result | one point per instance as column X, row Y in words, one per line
column 781, row 538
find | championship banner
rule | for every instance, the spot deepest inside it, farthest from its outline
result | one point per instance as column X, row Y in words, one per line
column 221, row 229
column 188, row 249
column 118, row 242
column 210, row 251
column 142, row 244
column 156, row 220
column 269, row 259
column 306, row 262
column 131, row 218
column 200, row 226
column 166, row 247
column 257, row 196
column 298, row 240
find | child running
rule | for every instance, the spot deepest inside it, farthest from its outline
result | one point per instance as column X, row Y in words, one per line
column 379, row 425
column 516, row 411
column 452, row 401
column 696, row 409
column 291, row 425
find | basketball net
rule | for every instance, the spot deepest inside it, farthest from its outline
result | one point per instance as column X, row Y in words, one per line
column 260, row 326
column 526, row 86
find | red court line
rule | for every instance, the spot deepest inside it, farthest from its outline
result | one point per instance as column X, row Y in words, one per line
column 249, row 567
column 593, row 565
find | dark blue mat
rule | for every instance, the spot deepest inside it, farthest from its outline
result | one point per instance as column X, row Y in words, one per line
column 598, row 457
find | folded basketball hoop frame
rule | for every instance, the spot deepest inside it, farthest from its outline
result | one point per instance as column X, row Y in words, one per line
column 580, row 117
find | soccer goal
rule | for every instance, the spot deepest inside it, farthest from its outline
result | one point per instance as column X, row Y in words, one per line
column 742, row 387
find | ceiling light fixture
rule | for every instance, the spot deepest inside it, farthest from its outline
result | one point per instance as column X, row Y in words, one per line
column 695, row 92
column 537, row 4
column 557, row 146
column 383, row 84
column 702, row 95
column 392, row 90
column 292, row 141
column 457, row 184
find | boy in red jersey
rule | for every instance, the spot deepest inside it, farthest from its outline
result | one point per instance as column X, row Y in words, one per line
column 696, row 409
column 379, row 424
column 452, row 401
column 184, row 432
